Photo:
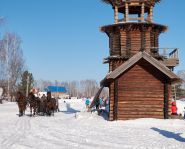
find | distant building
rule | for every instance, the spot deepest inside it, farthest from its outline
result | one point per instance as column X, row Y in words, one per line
column 57, row 91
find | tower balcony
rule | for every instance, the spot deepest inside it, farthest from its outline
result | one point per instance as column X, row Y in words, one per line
column 168, row 56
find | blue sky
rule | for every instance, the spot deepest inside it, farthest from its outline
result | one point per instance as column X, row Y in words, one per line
column 61, row 38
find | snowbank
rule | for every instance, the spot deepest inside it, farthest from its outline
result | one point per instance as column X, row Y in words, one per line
column 180, row 106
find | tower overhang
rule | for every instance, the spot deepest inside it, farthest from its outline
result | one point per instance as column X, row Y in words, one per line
column 131, row 26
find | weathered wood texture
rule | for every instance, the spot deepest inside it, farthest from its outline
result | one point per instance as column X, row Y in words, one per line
column 129, row 42
column 133, row 7
column 113, row 64
column 140, row 93
column 111, row 103
column 169, row 98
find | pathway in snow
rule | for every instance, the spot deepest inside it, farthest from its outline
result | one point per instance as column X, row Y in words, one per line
column 73, row 129
column 21, row 128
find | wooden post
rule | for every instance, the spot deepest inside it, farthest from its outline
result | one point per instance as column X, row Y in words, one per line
column 116, row 14
column 143, row 12
column 166, row 98
column 115, row 110
column 151, row 14
column 126, row 12
column 139, row 17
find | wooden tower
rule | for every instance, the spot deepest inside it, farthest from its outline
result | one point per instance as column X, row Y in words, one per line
column 140, row 72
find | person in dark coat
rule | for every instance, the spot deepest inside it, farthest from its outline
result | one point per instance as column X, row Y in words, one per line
column 43, row 104
column 97, row 103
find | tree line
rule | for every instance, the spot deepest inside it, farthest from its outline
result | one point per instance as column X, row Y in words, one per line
column 82, row 88
column 180, row 87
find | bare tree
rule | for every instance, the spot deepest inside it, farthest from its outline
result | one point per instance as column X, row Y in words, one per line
column 181, row 74
column 72, row 87
column 89, row 87
column 2, row 57
column 180, row 87
column 14, row 64
column 42, row 84
column 2, row 61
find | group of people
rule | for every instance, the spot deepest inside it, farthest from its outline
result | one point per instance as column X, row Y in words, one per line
column 97, row 103
column 47, row 105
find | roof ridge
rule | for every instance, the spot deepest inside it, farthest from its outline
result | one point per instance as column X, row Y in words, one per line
column 134, row 59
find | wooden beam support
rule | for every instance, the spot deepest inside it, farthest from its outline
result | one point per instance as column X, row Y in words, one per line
column 151, row 14
column 115, row 108
column 139, row 17
column 116, row 14
column 126, row 12
column 143, row 12
column 166, row 98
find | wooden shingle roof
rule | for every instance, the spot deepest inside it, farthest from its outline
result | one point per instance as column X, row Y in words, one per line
column 141, row 55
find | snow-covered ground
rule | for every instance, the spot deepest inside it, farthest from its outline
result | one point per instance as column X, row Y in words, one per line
column 181, row 106
column 74, row 128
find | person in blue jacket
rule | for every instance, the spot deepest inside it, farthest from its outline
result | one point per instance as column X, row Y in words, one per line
column 101, row 102
column 87, row 103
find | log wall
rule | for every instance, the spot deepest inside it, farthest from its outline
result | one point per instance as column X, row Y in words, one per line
column 136, row 41
column 147, row 41
column 140, row 93
column 123, row 40
column 116, row 45
column 127, row 43
column 111, row 103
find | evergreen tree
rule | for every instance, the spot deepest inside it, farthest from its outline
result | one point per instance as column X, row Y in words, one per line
column 26, row 79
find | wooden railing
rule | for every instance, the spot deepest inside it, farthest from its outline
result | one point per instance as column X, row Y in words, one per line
column 174, row 54
column 138, row 19
column 165, row 52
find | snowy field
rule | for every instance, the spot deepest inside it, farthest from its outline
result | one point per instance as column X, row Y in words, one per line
column 73, row 128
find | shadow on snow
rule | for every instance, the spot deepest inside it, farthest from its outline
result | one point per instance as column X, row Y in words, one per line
column 169, row 134
column 69, row 109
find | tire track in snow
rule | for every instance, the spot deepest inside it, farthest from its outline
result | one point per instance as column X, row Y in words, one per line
column 21, row 129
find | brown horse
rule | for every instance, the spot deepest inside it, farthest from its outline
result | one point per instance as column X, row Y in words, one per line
column 56, row 105
column 21, row 100
column 50, row 104
column 33, row 103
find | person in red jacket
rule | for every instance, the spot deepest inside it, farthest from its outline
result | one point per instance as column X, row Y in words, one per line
column 174, row 108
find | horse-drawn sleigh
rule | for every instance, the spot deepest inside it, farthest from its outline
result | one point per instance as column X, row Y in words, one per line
column 38, row 106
